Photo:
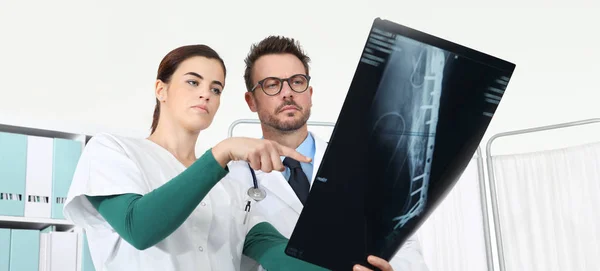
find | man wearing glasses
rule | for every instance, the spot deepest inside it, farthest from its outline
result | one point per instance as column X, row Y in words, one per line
column 278, row 83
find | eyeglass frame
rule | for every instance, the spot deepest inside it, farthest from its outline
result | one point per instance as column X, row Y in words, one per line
column 281, row 80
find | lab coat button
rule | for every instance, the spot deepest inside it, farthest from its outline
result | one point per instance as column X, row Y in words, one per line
column 201, row 248
column 203, row 203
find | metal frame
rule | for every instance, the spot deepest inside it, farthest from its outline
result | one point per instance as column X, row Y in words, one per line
column 490, row 168
column 256, row 121
column 484, row 210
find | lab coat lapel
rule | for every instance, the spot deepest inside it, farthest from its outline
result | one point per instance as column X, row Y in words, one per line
column 277, row 185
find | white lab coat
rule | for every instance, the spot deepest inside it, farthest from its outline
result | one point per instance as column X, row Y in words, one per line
column 282, row 209
column 211, row 238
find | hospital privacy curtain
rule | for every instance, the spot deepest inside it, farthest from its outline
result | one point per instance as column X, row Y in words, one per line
column 452, row 238
column 549, row 209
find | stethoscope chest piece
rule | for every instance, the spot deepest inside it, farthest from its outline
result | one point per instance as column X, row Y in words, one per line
column 254, row 192
column 257, row 194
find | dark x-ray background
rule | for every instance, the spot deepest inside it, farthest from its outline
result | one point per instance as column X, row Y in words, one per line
column 412, row 110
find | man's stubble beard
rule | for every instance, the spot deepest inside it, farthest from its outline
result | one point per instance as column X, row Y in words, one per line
column 272, row 121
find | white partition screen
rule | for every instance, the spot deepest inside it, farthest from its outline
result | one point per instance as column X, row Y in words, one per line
column 545, row 205
column 454, row 236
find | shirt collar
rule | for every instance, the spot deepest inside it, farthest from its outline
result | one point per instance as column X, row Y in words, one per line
column 306, row 148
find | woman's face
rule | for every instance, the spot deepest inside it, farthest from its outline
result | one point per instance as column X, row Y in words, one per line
column 192, row 97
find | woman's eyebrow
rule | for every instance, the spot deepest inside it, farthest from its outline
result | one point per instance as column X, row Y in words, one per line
column 194, row 74
column 200, row 76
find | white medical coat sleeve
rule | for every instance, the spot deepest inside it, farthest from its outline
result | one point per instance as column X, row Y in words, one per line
column 409, row 257
column 103, row 169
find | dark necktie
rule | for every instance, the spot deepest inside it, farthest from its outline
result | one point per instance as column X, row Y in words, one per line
column 298, row 180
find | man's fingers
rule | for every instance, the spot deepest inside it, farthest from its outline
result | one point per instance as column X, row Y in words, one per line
column 291, row 153
column 380, row 263
column 359, row 267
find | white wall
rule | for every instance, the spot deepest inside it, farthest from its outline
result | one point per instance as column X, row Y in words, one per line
column 89, row 66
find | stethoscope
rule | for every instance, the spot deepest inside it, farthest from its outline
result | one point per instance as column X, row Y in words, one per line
column 256, row 193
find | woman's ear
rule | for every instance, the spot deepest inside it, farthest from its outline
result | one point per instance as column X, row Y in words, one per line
column 160, row 90
column 249, row 96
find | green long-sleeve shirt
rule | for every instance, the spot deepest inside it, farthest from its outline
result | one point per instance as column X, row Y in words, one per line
column 145, row 220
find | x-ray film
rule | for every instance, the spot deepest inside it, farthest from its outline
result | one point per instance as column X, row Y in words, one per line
column 416, row 110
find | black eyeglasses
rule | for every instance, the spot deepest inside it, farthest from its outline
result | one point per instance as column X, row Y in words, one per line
column 273, row 85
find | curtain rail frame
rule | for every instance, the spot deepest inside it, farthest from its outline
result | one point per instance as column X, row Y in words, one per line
column 480, row 175
column 256, row 121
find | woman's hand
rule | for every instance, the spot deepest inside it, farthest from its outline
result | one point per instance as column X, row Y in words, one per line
column 262, row 154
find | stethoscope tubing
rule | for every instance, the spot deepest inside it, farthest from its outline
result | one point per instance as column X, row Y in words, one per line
column 254, row 180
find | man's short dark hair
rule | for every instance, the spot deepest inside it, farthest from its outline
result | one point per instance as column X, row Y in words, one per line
column 273, row 45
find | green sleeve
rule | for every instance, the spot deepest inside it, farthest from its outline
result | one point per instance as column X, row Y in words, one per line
column 266, row 245
column 143, row 221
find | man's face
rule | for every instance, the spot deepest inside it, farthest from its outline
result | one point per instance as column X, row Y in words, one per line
column 287, row 110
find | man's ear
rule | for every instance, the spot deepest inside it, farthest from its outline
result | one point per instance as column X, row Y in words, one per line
column 310, row 89
column 160, row 90
column 249, row 96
